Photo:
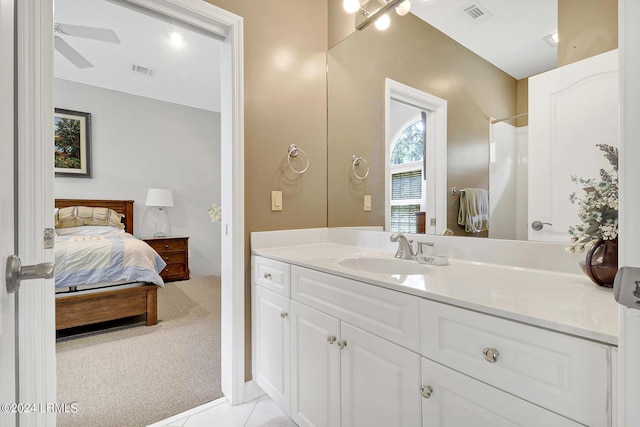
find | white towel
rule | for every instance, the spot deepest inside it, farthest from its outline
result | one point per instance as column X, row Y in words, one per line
column 474, row 210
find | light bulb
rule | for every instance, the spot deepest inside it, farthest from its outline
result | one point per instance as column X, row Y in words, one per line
column 403, row 8
column 351, row 6
column 176, row 39
column 383, row 22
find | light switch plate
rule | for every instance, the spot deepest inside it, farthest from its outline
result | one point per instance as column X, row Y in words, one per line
column 276, row 201
column 367, row 203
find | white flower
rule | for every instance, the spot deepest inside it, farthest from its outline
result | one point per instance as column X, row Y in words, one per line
column 215, row 212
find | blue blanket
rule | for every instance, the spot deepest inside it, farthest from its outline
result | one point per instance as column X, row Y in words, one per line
column 118, row 257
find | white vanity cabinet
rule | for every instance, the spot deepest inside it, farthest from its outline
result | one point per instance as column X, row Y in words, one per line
column 332, row 351
column 343, row 375
column 270, row 322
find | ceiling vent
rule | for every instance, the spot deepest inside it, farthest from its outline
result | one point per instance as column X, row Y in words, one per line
column 475, row 12
column 142, row 70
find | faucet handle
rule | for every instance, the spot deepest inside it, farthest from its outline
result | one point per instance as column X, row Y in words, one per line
column 422, row 244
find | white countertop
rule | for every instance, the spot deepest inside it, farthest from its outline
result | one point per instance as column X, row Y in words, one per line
column 563, row 302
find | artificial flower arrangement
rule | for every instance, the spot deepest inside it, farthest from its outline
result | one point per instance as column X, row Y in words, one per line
column 598, row 208
column 215, row 212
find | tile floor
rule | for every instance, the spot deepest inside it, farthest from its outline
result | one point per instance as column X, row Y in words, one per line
column 260, row 412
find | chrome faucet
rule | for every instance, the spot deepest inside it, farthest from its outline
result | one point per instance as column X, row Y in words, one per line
column 405, row 246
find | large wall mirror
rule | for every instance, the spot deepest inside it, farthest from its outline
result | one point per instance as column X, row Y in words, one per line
column 481, row 69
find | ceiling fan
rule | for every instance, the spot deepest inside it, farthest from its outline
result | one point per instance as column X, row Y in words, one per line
column 94, row 33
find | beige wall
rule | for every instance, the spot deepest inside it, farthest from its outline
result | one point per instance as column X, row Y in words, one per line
column 285, row 103
column 523, row 102
column 414, row 53
column 586, row 28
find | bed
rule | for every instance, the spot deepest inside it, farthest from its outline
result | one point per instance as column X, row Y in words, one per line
column 94, row 303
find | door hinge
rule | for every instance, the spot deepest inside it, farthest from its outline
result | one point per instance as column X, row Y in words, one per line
column 48, row 238
column 432, row 222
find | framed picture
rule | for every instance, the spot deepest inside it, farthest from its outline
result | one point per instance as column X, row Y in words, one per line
column 72, row 143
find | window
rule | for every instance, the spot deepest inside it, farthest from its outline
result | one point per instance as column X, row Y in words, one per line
column 408, row 194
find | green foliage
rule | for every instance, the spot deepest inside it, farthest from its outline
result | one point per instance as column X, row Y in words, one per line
column 598, row 208
column 67, row 139
column 410, row 145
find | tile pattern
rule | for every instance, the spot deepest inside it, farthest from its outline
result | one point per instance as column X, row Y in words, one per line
column 261, row 412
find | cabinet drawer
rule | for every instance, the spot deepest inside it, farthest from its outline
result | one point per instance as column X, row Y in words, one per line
column 565, row 374
column 273, row 275
column 458, row 400
column 388, row 314
column 168, row 245
column 173, row 271
column 173, row 258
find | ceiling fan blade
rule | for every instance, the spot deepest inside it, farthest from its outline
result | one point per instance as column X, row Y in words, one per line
column 94, row 33
column 70, row 53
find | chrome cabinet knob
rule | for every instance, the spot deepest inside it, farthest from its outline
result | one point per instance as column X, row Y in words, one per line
column 331, row 339
column 283, row 314
column 491, row 355
column 342, row 344
column 267, row 276
column 426, row 391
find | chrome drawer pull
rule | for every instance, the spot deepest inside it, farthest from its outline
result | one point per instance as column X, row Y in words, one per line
column 426, row 391
column 331, row 339
column 342, row 344
column 267, row 276
column 283, row 314
column 491, row 355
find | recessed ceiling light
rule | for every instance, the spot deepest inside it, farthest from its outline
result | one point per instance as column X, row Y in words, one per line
column 176, row 39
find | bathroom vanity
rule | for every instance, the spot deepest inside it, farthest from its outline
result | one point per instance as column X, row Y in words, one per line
column 470, row 343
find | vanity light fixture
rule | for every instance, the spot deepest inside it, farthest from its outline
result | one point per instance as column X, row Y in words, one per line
column 552, row 39
column 176, row 39
column 376, row 11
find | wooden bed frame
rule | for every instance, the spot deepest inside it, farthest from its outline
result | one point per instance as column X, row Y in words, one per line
column 111, row 304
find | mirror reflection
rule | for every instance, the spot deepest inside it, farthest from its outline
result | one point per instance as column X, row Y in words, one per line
column 489, row 118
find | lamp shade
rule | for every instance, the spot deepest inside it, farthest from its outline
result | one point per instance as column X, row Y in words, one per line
column 159, row 197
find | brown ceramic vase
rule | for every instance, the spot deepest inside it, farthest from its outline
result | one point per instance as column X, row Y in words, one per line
column 601, row 262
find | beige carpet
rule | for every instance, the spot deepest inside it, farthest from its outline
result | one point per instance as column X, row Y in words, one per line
column 134, row 375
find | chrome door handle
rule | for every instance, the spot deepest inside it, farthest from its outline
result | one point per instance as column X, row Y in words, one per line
column 538, row 225
column 16, row 272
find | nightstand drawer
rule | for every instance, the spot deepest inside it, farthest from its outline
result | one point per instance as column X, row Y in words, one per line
column 167, row 245
column 172, row 258
column 174, row 270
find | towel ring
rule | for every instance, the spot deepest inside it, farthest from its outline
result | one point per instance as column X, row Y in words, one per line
column 356, row 161
column 294, row 150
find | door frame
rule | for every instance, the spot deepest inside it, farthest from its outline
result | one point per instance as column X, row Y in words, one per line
column 436, row 152
column 34, row 88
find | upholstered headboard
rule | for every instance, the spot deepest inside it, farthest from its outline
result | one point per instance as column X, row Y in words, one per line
column 124, row 207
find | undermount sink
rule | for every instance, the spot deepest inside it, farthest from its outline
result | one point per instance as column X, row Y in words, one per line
column 382, row 265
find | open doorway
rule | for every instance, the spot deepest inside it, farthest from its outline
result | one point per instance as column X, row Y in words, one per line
column 169, row 140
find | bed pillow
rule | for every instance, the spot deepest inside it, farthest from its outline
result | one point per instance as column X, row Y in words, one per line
column 89, row 230
column 75, row 216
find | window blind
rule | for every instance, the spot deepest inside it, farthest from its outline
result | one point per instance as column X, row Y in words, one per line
column 406, row 185
column 403, row 218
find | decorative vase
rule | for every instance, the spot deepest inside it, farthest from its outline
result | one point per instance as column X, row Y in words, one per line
column 601, row 262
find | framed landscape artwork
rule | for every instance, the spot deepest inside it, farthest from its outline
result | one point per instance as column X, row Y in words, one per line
column 72, row 143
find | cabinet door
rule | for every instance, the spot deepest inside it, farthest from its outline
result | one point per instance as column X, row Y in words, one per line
column 380, row 381
column 315, row 367
column 456, row 400
column 271, row 345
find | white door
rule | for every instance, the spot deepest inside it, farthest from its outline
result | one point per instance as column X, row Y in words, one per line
column 26, row 129
column 315, row 366
column 380, row 381
column 571, row 109
column 451, row 399
column 271, row 329
column 629, row 339
column 7, row 301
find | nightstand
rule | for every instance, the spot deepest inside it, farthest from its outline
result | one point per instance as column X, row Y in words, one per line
column 175, row 252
